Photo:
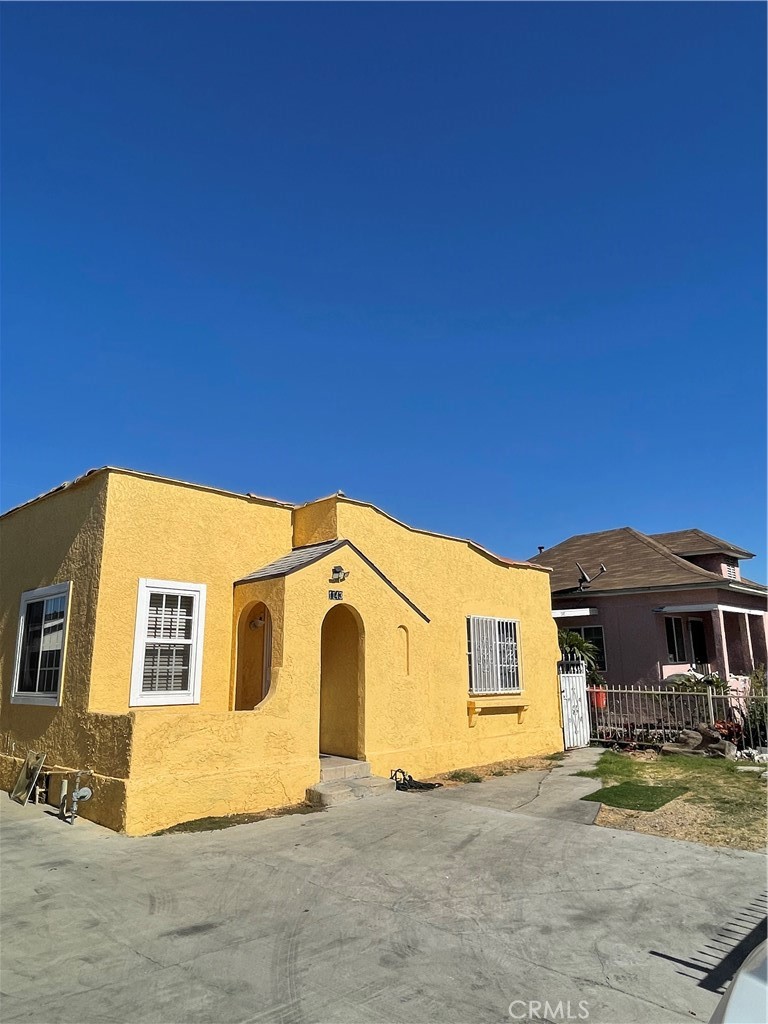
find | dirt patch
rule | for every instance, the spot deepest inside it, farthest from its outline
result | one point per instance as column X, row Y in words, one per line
column 642, row 755
column 722, row 807
column 497, row 769
column 230, row 820
column 682, row 819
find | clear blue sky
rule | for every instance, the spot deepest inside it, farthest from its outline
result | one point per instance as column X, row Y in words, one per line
column 497, row 268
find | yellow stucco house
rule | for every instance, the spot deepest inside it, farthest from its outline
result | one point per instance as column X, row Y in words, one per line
column 196, row 650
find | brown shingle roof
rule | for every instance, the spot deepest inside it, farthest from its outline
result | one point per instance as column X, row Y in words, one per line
column 697, row 542
column 633, row 560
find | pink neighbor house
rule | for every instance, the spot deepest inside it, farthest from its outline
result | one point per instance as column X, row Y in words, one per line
column 664, row 603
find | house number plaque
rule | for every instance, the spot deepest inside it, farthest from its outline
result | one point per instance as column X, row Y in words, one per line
column 335, row 595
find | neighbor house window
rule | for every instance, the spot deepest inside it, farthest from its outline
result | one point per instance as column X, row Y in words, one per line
column 675, row 641
column 594, row 635
column 40, row 645
column 168, row 648
column 494, row 655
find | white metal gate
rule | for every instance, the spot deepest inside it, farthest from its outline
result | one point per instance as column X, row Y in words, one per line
column 573, row 700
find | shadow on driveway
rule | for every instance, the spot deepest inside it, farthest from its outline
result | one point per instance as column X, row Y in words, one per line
column 719, row 960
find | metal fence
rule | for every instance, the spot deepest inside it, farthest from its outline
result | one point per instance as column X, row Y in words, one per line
column 655, row 715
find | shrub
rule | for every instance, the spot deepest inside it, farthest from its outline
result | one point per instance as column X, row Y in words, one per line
column 463, row 775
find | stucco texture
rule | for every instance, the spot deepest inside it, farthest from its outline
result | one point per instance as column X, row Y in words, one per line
column 421, row 718
column 60, row 540
column 396, row 683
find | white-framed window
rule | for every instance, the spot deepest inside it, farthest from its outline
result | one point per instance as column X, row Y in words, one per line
column 596, row 636
column 494, row 655
column 675, row 639
column 168, row 646
column 40, row 645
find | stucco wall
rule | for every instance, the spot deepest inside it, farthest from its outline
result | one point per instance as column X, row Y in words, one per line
column 413, row 713
column 189, row 763
column 162, row 765
column 54, row 540
column 315, row 522
column 161, row 530
column 420, row 720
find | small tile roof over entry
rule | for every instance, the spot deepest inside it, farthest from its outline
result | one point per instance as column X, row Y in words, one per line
column 634, row 560
column 301, row 557
column 297, row 559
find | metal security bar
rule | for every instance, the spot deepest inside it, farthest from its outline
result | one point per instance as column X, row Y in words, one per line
column 655, row 715
column 493, row 655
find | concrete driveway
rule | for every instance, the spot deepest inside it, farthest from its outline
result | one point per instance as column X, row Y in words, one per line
column 438, row 907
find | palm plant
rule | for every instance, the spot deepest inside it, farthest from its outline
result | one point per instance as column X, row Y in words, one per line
column 574, row 647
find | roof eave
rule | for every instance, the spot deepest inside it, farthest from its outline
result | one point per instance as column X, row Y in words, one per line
column 703, row 585
column 730, row 552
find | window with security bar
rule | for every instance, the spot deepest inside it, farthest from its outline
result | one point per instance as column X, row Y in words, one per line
column 168, row 645
column 494, row 655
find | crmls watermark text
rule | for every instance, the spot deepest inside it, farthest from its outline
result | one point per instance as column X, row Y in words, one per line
column 534, row 1009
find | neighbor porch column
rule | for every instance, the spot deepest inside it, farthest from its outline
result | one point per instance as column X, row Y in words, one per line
column 721, row 647
column 746, row 641
column 757, row 636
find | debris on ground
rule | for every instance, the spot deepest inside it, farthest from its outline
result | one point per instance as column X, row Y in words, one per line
column 406, row 783
column 537, row 763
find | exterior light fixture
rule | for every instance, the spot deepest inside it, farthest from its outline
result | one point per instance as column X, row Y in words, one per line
column 338, row 574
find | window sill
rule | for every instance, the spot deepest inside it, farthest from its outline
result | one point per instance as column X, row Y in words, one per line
column 488, row 702
column 498, row 699
column 185, row 701
column 31, row 698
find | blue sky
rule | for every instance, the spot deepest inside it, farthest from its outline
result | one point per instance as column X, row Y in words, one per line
column 497, row 268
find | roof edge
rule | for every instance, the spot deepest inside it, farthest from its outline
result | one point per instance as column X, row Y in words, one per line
column 68, row 484
column 58, row 489
column 719, row 546
column 662, row 549
column 726, row 584
column 330, row 548
column 515, row 563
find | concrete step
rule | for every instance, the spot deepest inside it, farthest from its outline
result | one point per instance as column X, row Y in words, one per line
column 328, row 794
column 334, row 768
column 340, row 791
column 375, row 785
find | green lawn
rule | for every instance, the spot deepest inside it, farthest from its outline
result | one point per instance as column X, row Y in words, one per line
column 636, row 796
column 714, row 803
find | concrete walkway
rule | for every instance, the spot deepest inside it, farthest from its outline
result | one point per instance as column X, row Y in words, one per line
column 432, row 907
column 553, row 794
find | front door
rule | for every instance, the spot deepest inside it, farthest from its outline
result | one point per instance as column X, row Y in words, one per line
column 698, row 641
column 341, row 683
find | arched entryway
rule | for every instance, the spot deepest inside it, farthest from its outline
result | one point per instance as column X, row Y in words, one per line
column 254, row 657
column 342, row 667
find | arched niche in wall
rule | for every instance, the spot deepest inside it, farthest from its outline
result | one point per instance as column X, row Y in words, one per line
column 404, row 646
column 254, row 657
